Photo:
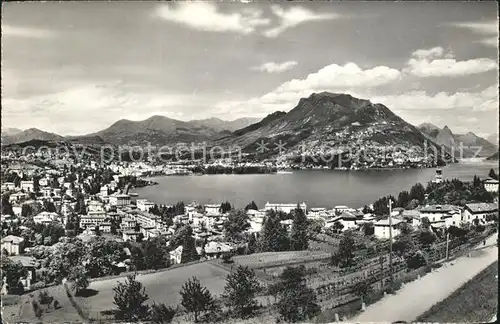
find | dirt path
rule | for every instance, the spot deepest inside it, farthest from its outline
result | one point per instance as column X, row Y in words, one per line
column 418, row 296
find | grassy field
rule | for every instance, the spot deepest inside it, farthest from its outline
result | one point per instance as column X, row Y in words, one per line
column 162, row 287
column 476, row 301
column 275, row 259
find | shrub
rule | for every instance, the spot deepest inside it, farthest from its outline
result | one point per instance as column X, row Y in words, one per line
column 44, row 298
column 56, row 304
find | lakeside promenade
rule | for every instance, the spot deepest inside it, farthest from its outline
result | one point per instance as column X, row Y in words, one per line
column 416, row 297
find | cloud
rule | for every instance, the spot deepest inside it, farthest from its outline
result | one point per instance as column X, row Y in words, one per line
column 334, row 78
column 293, row 17
column 206, row 17
column 481, row 101
column 488, row 28
column 271, row 67
column 27, row 32
column 434, row 62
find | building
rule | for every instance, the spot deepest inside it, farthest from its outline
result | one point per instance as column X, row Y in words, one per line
column 46, row 218
column 14, row 245
column 212, row 209
column 340, row 209
column 27, row 186
column 130, row 235
column 441, row 215
column 479, row 211
column 176, row 255
column 92, row 219
column 215, row 250
column 144, row 205
column 8, row 186
column 347, row 219
column 286, row 208
column 128, row 224
column 119, row 200
column 491, row 185
column 381, row 228
column 28, row 264
column 104, row 192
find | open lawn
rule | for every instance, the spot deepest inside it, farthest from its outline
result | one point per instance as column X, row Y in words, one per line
column 162, row 287
column 274, row 259
column 476, row 301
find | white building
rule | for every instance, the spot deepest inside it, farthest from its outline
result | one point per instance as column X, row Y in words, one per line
column 491, row 185
column 341, row 209
column 286, row 208
column 381, row 228
column 119, row 200
column 212, row 209
column 176, row 255
column 46, row 218
column 27, row 186
column 144, row 205
column 8, row 186
column 13, row 244
column 104, row 192
column 441, row 215
column 215, row 250
column 479, row 211
column 92, row 219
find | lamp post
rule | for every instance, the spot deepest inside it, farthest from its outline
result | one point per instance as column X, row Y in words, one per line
column 447, row 244
column 390, row 238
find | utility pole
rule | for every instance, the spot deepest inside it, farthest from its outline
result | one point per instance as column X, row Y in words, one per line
column 447, row 244
column 390, row 238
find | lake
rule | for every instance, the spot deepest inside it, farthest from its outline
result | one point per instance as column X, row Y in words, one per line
column 318, row 188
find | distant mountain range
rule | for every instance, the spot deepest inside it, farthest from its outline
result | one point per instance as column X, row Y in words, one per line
column 19, row 136
column 157, row 130
column 470, row 141
column 336, row 120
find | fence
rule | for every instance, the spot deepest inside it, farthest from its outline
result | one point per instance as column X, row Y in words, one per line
column 341, row 290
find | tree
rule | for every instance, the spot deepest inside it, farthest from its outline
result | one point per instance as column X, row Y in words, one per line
column 161, row 313
column 338, row 227
column 417, row 192
column 274, row 236
column 189, row 252
column 129, row 299
column 381, row 206
column 239, row 292
column 155, row 253
column 366, row 210
column 196, row 299
column 412, row 204
column 403, row 244
column 426, row 238
column 362, row 289
column 345, row 255
column 225, row 207
column 403, row 199
column 236, row 223
column 299, row 238
column 476, row 182
column 297, row 302
column 80, row 279
column 492, row 174
column 251, row 206
column 6, row 205
column 12, row 272
column 368, row 229
column 425, row 223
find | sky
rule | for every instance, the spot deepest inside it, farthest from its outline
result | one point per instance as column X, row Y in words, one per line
column 77, row 67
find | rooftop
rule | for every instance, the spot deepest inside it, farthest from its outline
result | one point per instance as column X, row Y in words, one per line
column 482, row 207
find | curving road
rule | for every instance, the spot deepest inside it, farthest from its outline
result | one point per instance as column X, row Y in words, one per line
column 416, row 297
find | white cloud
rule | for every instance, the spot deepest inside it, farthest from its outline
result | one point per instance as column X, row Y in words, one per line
column 488, row 28
column 18, row 31
column 434, row 62
column 205, row 16
column 334, row 78
column 271, row 67
column 485, row 100
column 293, row 17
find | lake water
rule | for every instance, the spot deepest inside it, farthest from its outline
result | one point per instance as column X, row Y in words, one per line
column 318, row 188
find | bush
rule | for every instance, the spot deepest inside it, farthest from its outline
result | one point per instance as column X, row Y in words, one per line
column 44, row 298
column 38, row 285
column 416, row 260
column 56, row 304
